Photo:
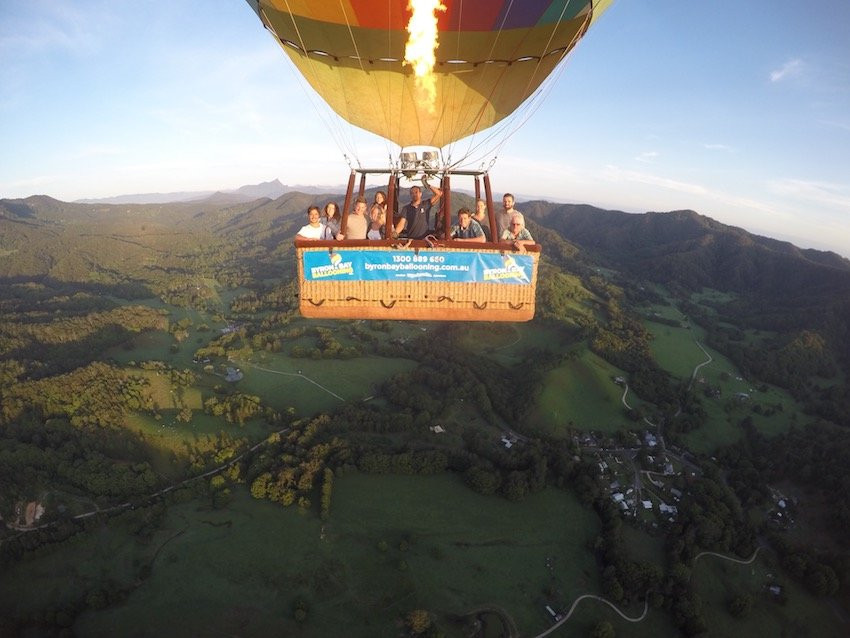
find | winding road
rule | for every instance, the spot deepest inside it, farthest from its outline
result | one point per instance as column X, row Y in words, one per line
column 602, row 600
column 704, row 363
column 729, row 558
column 572, row 608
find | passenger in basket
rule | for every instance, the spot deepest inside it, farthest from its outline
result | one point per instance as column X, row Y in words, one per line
column 517, row 234
column 503, row 219
column 480, row 215
column 356, row 224
column 467, row 229
column 315, row 229
column 381, row 199
column 415, row 218
column 378, row 218
column 332, row 218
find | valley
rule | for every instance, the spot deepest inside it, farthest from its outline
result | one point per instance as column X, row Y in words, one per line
column 207, row 460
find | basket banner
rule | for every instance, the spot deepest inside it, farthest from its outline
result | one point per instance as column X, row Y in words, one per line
column 463, row 266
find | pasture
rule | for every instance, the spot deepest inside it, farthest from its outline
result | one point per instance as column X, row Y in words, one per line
column 309, row 385
column 716, row 581
column 590, row 612
column 510, row 343
column 167, row 396
column 681, row 350
column 675, row 349
column 169, row 434
column 581, row 393
column 392, row 544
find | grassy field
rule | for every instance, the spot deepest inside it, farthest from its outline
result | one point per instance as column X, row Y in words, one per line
column 164, row 393
column 169, row 434
column 510, row 343
column 642, row 546
column 709, row 297
column 680, row 350
column 285, row 382
column 581, row 392
column 675, row 349
column 657, row 624
column 717, row 580
column 147, row 346
column 392, row 544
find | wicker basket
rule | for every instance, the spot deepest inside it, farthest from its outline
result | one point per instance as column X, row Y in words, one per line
column 414, row 299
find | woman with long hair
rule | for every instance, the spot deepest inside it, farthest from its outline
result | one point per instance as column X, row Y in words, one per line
column 333, row 219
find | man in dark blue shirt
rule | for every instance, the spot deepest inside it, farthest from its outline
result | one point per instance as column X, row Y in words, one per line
column 415, row 218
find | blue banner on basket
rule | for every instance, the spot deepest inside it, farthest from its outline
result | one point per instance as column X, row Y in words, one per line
column 465, row 266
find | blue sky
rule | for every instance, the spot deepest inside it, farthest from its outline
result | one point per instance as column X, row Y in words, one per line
column 738, row 110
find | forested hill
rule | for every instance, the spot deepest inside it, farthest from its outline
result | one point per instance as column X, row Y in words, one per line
column 800, row 297
column 693, row 251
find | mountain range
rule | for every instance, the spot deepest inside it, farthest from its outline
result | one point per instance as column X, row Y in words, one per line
column 272, row 190
column 791, row 295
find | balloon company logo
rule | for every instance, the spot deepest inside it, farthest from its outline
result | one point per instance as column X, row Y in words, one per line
column 336, row 267
column 510, row 270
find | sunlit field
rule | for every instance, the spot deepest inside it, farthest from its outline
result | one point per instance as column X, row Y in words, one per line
column 581, row 393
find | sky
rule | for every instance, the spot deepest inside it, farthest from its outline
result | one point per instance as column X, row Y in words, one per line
column 738, row 110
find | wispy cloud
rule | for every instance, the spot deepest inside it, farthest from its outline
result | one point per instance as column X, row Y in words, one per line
column 615, row 173
column 719, row 147
column 819, row 193
column 647, row 157
column 96, row 150
column 16, row 188
column 700, row 193
column 844, row 126
column 791, row 69
column 58, row 26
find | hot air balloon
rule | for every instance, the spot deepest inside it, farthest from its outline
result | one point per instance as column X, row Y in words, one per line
column 425, row 73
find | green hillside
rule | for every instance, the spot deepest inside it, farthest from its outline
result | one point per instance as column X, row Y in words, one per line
column 181, row 451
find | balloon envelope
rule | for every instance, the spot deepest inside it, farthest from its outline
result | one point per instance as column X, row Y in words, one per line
column 492, row 55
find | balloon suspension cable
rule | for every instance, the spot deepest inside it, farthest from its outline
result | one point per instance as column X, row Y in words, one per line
column 539, row 95
column 503, row 131
column 493, row 85
column 343, row 141
column 359, row 58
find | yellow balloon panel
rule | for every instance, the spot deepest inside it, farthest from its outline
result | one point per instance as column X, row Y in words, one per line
column 481, row 76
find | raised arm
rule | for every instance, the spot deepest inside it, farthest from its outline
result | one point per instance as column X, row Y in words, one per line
column 438, row 193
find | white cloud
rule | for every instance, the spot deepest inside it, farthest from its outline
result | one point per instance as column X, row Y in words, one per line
column 820, row 193
column 647, row 157
column 615, row 174
column 25, row 187
column 700, row 197
column 844, row 126
column 96, row 150
column 790, row 69
column 46, row 26
column 719, row 147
